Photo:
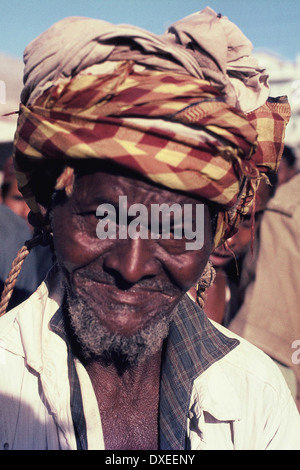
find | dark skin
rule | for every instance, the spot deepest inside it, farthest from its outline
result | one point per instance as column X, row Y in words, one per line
column 126, row 282
column 128, row 404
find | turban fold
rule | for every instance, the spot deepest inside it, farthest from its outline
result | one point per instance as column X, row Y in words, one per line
column 176, row 129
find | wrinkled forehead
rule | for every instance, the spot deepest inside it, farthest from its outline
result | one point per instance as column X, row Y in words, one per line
column 106, row 181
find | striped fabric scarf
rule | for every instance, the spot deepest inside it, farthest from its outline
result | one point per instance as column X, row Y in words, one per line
column 174, row 129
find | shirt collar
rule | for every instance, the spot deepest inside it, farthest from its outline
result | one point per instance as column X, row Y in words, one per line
column 192, row 346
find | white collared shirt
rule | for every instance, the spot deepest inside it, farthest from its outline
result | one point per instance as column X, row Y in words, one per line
column 239, row 402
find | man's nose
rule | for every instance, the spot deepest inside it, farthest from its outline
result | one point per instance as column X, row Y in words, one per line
column 133, row 259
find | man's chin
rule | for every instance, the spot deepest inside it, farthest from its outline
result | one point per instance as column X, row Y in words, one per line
column 96, row 342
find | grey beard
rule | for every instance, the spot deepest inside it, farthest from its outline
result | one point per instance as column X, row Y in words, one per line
column 97, row 342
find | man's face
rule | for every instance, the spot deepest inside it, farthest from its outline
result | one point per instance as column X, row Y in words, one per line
column 125, row 283
column 238, row 244
column 15, row 201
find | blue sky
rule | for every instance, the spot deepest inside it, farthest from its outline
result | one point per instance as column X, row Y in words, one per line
column 270, row 24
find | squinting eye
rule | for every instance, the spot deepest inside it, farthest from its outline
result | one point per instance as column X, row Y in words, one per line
column 172, row 245
column 88, row 214
column 174, row 233
column 90, row 218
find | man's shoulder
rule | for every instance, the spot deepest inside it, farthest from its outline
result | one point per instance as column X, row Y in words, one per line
column 39, row 307
column 247, row 366
column 245, row 392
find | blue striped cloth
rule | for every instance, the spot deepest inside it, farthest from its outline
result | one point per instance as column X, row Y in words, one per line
column 193, row 345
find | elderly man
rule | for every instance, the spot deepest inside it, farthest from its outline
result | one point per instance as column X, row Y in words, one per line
column 110, row 353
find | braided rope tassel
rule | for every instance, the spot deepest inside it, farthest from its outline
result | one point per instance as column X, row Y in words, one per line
column 39, row 238
column 12, row 278
column 206, row 280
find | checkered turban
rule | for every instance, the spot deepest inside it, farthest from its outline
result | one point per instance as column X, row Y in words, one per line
column 150, row 105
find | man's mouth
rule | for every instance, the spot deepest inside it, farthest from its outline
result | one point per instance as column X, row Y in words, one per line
column 116, row 284
column 125, row 311
column 135, row 298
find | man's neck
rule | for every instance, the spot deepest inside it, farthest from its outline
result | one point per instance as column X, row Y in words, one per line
column 131, row 376
column 128, row 403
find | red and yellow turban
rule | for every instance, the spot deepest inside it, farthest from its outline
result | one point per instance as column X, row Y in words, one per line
column 175, row 129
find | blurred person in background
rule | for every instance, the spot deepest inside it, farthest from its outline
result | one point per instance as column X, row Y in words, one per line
column 288, row 166
column 270, row 314
column 256, row 292
column 14, row 229
column 234, row 261
column 10, row 194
